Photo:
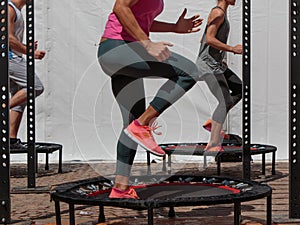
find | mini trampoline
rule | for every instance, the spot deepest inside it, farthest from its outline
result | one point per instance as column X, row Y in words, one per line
column 158, row 191
column 46, row 148
column 233, row 153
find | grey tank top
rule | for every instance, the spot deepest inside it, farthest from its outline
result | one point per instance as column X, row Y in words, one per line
column 211, row 60
column 18, row 27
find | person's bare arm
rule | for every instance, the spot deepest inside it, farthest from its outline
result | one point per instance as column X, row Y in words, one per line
column 189, row 25
column 122, row 10
column 215, row 20
column 14, row 43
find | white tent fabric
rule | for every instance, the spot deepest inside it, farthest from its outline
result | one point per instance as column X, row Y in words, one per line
column 78, row 110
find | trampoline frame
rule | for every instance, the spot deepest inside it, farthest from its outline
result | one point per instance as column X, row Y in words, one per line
column 62, row 192
column 294, row 109
column 43, row 148
column 5, row 201
column 167, row 166
column 294, row 81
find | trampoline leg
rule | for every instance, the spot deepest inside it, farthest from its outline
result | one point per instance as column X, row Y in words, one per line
column 60, row 161
column 169, row 164
column 269, row 210
column 204, row 162
column 263, row 164
column 164, row 167
column 47, row 162
column 57, row 213
column 101, row 218
column 273, row 163
column 171, row 212
column 148, row 164
column 37, row 163
column 150, row 216
column 71, row 214
column 237, row 213
column 219, row 165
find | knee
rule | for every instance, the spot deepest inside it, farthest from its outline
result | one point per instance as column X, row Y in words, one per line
column 229, row 105
column 39, row 90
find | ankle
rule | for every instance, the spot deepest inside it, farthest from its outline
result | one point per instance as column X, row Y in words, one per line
column 121, row 187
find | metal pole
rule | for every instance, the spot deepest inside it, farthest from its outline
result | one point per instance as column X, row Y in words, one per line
column 5, row 202
column 246, row 89
column 294, row 115
column 31, row 157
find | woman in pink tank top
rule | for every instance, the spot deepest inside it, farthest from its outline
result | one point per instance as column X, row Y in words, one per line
column 127, row 55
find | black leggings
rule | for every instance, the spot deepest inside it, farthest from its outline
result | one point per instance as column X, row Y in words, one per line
column 126, row 64
column 227, row 88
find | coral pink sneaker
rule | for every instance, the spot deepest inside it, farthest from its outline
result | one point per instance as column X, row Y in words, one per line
column 143, row 136
column 129, row 193
column 207, row 125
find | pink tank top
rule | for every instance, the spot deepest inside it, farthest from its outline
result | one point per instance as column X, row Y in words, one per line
column 144, row 11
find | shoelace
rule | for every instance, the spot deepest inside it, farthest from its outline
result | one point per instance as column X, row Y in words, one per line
column 153, row 127
column 132, row 193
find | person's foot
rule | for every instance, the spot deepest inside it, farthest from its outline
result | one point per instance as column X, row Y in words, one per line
column 15, row 143
column 213, row 150
column 129, row 193
column 142, row 135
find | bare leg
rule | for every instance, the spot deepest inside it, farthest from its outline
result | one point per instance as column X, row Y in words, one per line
column 147, row 116
column 19, row 98
column 15, row 121
column 121, row 182
column 15, row 116
column 215, row 137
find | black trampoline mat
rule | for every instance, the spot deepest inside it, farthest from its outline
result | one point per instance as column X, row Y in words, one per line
column 171, row 191
column 176, row 191
column 198, row 148
column 202, row 147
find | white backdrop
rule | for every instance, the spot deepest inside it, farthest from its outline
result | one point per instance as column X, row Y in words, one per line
column 78, row 110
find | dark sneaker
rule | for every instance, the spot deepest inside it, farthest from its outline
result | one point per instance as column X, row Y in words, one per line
column 15, row 143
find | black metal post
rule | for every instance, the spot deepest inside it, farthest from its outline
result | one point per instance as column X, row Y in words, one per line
column 294, row 127
column 269, row 209
column 246, row 89
column 31, row 157
column 237, row 213
column 5, row 202
column 101, row 218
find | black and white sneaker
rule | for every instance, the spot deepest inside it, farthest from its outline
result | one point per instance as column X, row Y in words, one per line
column 15, row 143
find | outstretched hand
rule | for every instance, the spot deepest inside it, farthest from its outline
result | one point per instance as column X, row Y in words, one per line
column 189, row 25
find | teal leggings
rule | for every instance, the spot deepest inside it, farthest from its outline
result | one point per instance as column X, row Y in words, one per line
column 127, row 63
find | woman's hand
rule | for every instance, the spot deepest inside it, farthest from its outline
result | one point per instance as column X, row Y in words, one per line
column 238, row 49
column 189, row 25
column 159, row 50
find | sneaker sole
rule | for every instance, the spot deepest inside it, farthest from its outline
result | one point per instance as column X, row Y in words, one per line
column 132, row 137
